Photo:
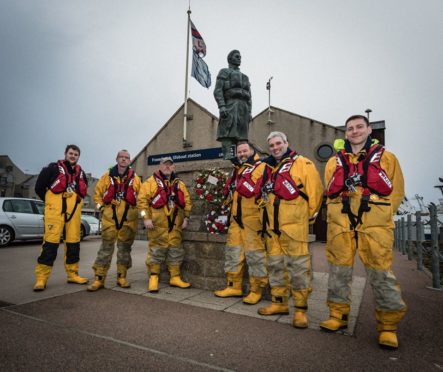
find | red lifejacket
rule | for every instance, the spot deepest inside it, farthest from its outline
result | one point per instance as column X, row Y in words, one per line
column 67, row 181
column 283, row 185
column 367, row 173
column 121, row 190
column 231, row 183
column 167, row 193
column 245, row 186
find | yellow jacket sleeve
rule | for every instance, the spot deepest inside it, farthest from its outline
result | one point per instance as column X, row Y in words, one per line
column 188, row 203
column 137, row 184
column 147, row 191
column 329, row 170
column 100, row 188
column 312, row 185
column 391, row 166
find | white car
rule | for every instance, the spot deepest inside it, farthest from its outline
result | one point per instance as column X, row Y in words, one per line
column 22, row 219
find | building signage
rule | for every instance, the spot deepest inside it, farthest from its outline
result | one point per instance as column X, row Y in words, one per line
column 178, row 157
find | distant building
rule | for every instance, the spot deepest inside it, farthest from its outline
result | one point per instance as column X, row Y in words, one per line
column 309, row 137
column 14, row 182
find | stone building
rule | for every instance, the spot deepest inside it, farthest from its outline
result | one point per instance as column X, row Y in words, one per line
column 203, row 265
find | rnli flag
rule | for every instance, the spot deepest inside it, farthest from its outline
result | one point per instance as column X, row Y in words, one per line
column 198, row 44
column 200, row 70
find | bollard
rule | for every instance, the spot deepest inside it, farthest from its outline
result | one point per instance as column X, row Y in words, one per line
column 403, row 238
column 409, row 229
column 397, row 235
column 419, row 240
column 435, row 248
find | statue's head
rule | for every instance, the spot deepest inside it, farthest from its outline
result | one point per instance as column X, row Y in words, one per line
column 234, row 58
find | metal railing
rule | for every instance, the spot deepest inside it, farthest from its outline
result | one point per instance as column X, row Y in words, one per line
column 409, row 239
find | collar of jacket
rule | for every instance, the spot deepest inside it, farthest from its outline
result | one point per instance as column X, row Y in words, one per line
column 270, row 160
column 165, row 178
column 114, row 172
column 364, row 150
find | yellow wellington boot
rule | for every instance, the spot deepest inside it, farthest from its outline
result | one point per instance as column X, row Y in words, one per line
column 388, row 339
column 72, row 273
column 338, row 317
column 300, row 297
column 256, row 292
column 387, row 327
column 300, row 319
column 153, row 283
column 42, row 273
column 121, row 277
column 154, row 272
column 279, row 306
column 99, row 279
column 175, row 280
column 233, row 287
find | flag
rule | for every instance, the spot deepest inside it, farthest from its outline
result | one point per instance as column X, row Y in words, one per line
column 200, row 70
column 198, row 44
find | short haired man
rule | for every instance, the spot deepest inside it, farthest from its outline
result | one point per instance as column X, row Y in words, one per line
column 293, row 191
column 62, row 186
column 116, row 197
column 243, row 241
column 165, row 206
column 365, row 188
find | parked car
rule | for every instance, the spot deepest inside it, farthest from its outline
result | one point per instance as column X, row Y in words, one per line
column 93, row 222
column 22, row 219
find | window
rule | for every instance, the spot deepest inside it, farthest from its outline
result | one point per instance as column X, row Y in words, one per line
column 22, row 206
column 40, row 207
column 7, row 206
column 324, row 152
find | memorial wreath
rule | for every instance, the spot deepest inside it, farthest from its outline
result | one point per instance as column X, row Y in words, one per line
column 209, row 185
column 216, row 220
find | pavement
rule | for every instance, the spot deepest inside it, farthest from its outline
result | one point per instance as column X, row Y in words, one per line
column 65, row 327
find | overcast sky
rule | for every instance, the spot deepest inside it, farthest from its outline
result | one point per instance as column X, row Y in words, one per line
column 108, row 74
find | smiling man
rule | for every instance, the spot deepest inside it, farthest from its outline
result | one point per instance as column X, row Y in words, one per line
column 291, row 190
column 243, row 242
column 62, row 186
column 365, row 188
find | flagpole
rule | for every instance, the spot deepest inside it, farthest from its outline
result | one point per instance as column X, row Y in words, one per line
column 268, row 87
column 185, row 116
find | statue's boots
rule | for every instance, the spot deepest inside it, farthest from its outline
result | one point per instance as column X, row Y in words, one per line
column 338, row 317
column 154, row 272
column 121, row 276
column 233, row 287
column 72, row 274
column 99, row 278
column 42, row 273
column 256, row 293
column 387, row 327
column 175, row 280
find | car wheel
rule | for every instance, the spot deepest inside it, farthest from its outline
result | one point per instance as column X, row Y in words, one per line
column 82, row 232
column 6, row 236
